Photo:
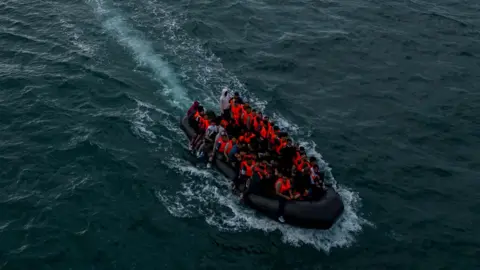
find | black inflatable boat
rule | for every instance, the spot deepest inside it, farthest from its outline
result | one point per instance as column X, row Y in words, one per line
column 320, row 214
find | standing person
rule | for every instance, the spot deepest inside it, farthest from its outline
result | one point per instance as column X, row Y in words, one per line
column 225, row 103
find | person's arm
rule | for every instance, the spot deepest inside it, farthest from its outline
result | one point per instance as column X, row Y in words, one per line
column 290, row 193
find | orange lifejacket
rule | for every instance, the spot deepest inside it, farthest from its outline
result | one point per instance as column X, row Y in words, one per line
column 255, row 123
column 270, row 129
column 284, row 186
column 247, row 137
column 297, row 157
column 261, row 170
column 229, row 148
column 279, row 148
column 204, row 123
column 245, row 117
column 223, row 143
column 263, row 132
column 300, row 164
column 196, row 115
column 247, row 168
column 224, row 123
column 236, row 112
column 272, row 137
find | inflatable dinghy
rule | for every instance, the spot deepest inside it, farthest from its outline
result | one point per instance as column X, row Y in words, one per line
column 319, row 214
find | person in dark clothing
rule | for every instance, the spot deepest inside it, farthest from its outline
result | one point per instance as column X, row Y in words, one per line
column 237, row 98
column 287, row 154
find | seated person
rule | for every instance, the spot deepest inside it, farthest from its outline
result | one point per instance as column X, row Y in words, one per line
column 230, row 150
column 206, row 145
column 219, row 147
column 203, row 123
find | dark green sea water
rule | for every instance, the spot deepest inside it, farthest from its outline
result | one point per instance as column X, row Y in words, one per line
column 94, row 173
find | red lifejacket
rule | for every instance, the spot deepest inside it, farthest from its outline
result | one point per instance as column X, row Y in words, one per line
column 204, row 123
column 223, row 143
column 270, row 129
column 279, row 148
column 247, row 168
column 236, row 112
column 284, row 186
column 272, row 137
column 229, row 147
column 300, row 164
column 261, row 170
column 196, row 115
column 246, row 116
column 247, row 137
column 255, row 123
column 224, row 123
column 263, row 132
column 297, row 157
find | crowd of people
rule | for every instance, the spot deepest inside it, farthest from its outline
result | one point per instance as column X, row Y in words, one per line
column 264, row 157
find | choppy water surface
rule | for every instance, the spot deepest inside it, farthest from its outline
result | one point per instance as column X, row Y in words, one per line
column 94, row 172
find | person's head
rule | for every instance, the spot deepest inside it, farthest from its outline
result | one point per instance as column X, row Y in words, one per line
column 265, row 122
column 213, row 122
column 224, row 136
column 316, row 168
column 302, row 150
column 248, row 109
column 313, row 160
column 201, row 110
column 236, row 95
column 205, row 116
column 289, row 142
column 254, row 112
column 266, row 118
column 276, row 129
column 250, row 161
column 234, row 140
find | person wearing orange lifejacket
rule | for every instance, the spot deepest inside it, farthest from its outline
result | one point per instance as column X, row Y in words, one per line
column 194, row 119
column 246, row 172
column 236, row 113
column 247, row 137
column 247, row 117
column 206, row 144
column 300, row 163
column 256, row 123
column 253, row 116
column 283, row 190
column 203, row 123
column 219, row 147
column 283, row 143
column 230, row 150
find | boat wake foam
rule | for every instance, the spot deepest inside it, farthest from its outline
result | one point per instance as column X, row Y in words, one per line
column 202, row 187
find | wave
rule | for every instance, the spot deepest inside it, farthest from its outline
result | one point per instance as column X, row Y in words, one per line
column 143, row 52
column 204, row 192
